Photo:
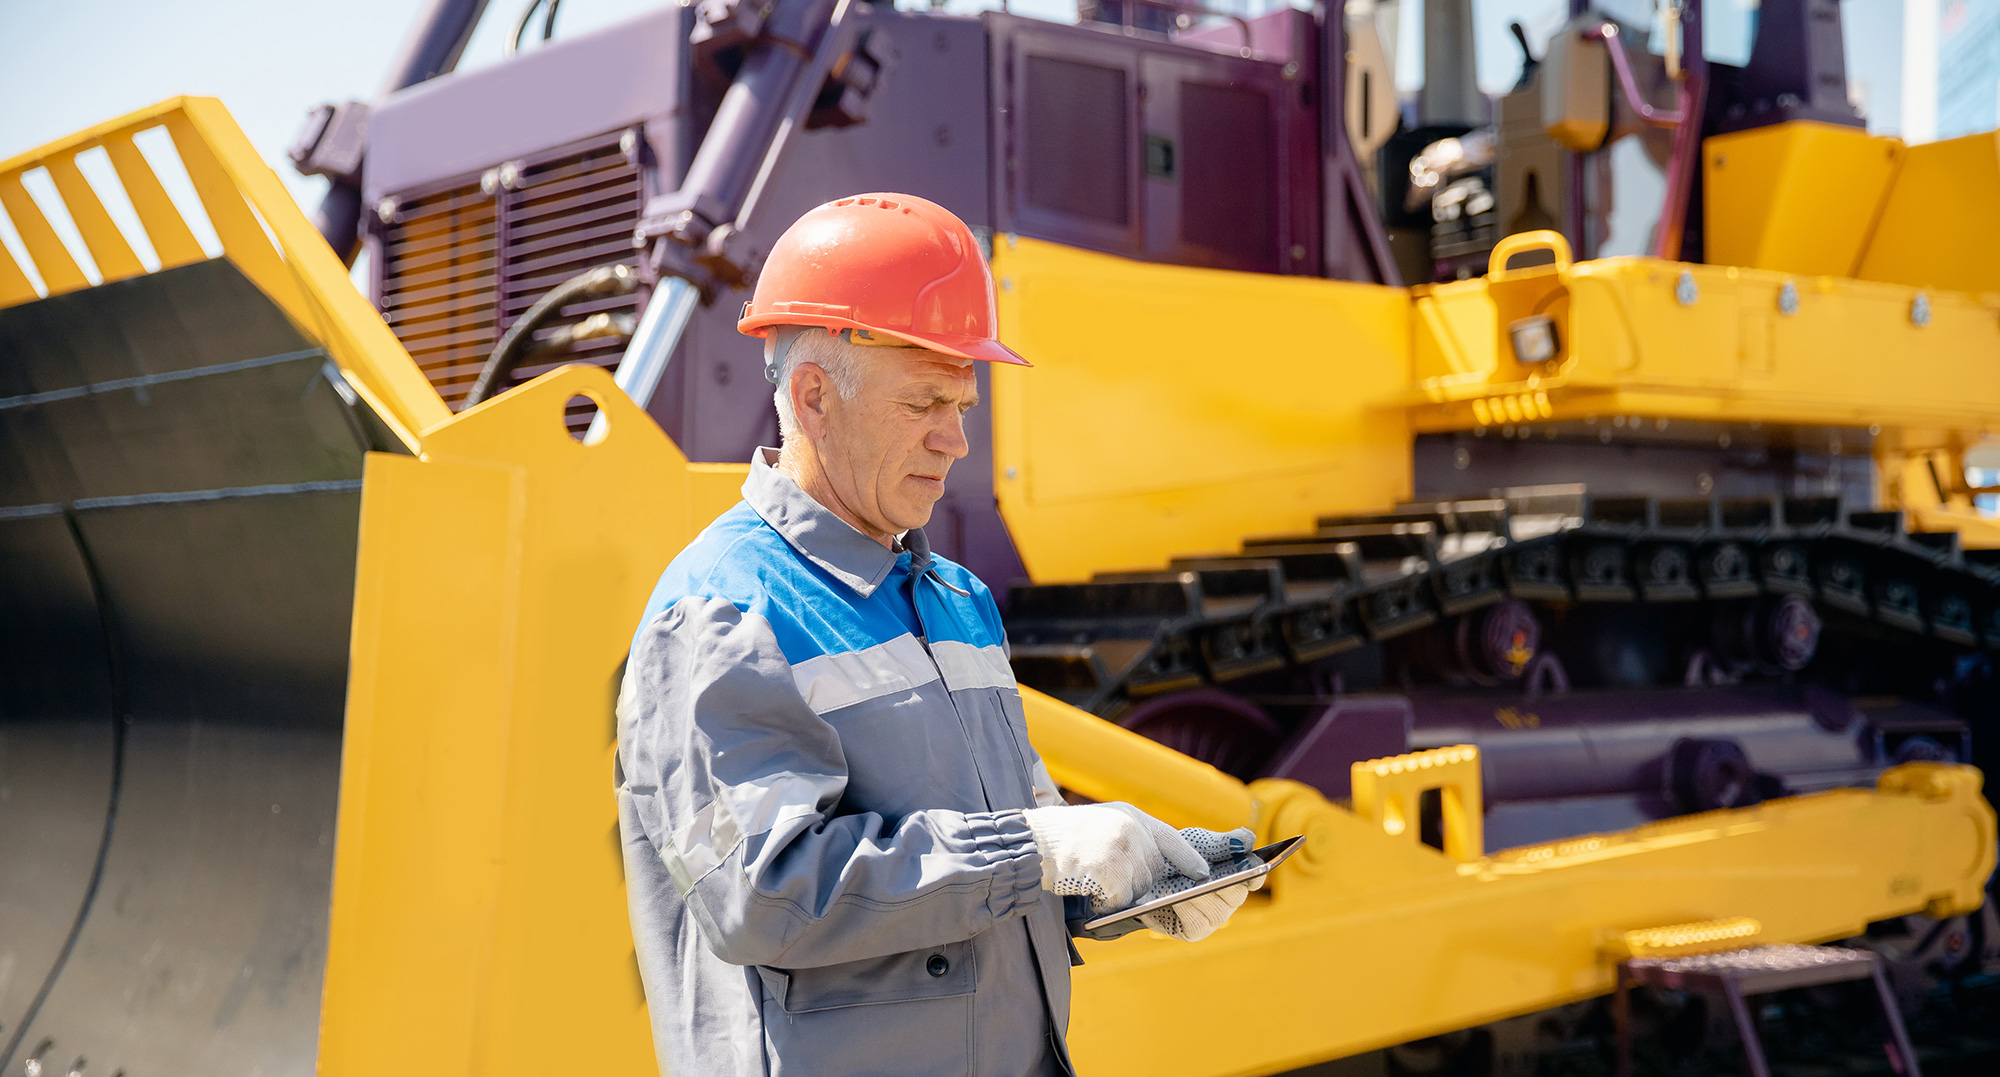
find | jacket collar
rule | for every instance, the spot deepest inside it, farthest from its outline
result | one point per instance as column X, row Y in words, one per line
column 821, row 537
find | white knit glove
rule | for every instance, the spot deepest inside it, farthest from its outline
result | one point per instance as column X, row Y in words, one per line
column 1197, row 918
column 1110, row 852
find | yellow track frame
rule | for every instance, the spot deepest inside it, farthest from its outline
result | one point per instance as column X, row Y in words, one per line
column 1374, row 939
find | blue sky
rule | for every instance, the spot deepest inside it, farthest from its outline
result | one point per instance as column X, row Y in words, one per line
column 64, row 66
column 69, row 65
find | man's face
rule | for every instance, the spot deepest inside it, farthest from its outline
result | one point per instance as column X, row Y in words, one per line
column 887, row 450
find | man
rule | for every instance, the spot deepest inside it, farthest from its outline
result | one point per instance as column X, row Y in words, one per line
column 843, row 855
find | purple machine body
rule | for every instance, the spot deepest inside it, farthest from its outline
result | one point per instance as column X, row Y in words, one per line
column 483, row 190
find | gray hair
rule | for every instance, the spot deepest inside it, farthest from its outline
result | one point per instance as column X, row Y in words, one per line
column 832, row 353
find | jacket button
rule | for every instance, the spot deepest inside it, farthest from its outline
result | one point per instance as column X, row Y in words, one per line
column 937, row 965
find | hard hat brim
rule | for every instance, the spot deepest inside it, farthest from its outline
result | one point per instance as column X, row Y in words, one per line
column 986, row 351
column 964, row 347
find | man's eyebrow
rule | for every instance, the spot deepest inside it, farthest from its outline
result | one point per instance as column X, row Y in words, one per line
column 930, row 395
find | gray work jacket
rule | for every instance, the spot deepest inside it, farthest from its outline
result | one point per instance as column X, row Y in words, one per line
column 821, row 770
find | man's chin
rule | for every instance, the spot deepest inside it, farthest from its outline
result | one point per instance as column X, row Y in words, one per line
column 918, row 515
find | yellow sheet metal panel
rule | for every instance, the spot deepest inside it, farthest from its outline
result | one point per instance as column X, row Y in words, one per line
column 423, row 778
column 500, row 576
column 1395, row 950
column 1635, row 313
column 591, row 547
column 1797, row 197
column 1938, row 224
column 1175, row 410
column 1661, row 339
column 1455, row 329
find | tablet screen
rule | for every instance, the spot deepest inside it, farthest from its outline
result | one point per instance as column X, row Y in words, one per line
column 1242, row 869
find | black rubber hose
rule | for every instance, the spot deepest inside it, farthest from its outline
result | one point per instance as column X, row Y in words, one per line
column 590, row 284
column 528, row 16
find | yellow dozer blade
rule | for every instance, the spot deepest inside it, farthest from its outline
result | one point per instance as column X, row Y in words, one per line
column 305, row 716
column 181, row 458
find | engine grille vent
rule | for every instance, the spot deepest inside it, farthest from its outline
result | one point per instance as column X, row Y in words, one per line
column 459, row 265
column 438, row 284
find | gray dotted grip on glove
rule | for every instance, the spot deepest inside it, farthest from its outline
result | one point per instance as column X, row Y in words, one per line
column 1071, row 885
column 1215, row 846
column 1230, row 847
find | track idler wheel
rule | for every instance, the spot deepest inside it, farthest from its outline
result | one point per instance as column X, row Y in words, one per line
column 1488, row 647
column 1497, row 643
column 1232, row 735
column 1779, row 632
column 1705, row 775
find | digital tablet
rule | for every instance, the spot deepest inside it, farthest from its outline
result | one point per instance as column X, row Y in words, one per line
column 1251, row 865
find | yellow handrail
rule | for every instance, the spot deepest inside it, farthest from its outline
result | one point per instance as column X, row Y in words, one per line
column 261, row 230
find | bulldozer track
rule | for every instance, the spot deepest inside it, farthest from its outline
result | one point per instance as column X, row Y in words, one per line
column 1288, row 601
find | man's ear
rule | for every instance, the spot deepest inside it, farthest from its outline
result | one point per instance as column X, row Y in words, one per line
column 809, row 392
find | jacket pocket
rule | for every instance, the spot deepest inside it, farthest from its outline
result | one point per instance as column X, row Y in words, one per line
column 934, row 972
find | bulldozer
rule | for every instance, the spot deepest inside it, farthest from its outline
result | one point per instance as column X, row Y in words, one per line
column 1576, row 604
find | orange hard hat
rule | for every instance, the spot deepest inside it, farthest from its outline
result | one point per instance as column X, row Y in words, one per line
column 888, row 264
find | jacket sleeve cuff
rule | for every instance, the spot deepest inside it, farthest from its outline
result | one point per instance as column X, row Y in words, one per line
column 1016, row 864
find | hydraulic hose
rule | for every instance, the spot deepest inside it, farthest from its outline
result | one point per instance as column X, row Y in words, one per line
column 515, row 343
column 528, row 16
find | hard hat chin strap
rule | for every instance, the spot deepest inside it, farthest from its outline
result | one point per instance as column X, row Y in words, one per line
column 777, row 345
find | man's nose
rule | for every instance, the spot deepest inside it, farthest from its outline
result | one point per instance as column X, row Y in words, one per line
column 948, row 437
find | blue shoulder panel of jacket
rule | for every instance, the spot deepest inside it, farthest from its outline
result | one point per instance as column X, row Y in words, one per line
column 741, row 558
